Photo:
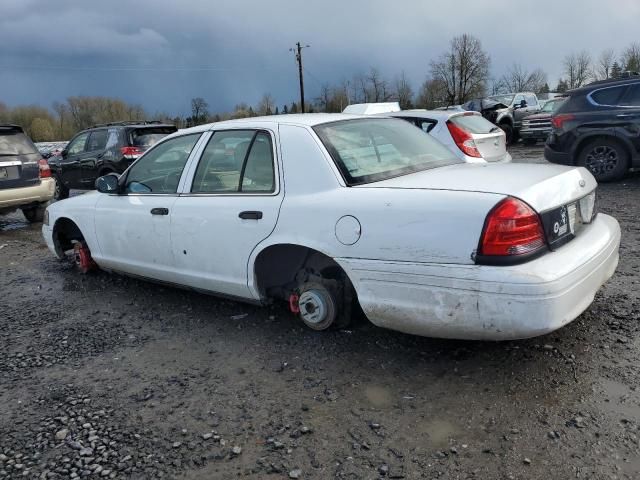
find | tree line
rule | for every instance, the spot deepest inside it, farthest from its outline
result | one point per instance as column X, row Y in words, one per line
column 459, row 74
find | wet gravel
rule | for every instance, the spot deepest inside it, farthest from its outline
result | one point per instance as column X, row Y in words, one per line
column 102, row 376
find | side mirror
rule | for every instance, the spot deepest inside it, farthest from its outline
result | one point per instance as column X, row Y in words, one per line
column 523, row 104
column 107, row 183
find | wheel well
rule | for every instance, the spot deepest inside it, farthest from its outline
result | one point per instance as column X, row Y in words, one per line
column 279, row 269
column 65, row 231
column 506, row 121
column 585, row 141
column 105, row 171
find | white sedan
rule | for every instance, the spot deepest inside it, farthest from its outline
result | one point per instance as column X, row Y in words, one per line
column 332, row 211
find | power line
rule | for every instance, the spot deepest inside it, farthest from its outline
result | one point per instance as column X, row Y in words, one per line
column 130, row 68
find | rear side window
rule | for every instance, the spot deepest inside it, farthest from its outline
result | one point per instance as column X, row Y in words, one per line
column 632, row 97
column 608, row 96
column 148, row 137
column 376, row 149
column 236, row 161
column 16, row 143
column 97, row 140
column 474, row 123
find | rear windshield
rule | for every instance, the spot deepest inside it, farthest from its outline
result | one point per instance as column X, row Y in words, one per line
column 370, row 150
column 474, row 124
column 148, row 137
column 16, row 143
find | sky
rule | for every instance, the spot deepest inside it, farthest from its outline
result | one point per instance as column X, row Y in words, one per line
column 162, row 53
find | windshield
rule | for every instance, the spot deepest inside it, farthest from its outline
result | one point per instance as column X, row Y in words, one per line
column 506, row 99
column 148, row 137
column 370, row 150
column 552, row 105
column 16, row 143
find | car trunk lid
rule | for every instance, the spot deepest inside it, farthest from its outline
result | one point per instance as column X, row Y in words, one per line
column 18, row 159
column 543, row 187
column 488, row 138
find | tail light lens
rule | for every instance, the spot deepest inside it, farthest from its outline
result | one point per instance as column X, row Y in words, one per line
column 512, row 230
column 463, row 140
column 131, row 153
column 45, row 171
column 558, row 120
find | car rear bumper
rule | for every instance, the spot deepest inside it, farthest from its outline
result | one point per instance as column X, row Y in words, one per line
column 536, row 134
column 17, row 197
column 557, row 157
column 486, row 302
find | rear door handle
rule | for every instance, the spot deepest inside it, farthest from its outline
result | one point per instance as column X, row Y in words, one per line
column 159, row 211
column 250, row 215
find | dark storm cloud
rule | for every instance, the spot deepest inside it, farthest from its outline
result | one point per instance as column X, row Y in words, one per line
column 162, row 53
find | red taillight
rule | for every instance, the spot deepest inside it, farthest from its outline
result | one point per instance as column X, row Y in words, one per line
column 131, row 152
column 463, row 140
column 558, row 120
column 45, row 171
column 512, row 228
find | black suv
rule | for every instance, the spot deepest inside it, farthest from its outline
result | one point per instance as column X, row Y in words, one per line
column 598, row 127
column 103, row 149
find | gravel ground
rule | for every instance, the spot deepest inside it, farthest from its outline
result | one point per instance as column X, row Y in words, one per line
column 105, row 376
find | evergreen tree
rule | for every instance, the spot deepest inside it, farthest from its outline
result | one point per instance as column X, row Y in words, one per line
column 562, row 86
column 277, row 111
column 294, row 107
column 545, row 88
column 616, row 70
column 285, row 109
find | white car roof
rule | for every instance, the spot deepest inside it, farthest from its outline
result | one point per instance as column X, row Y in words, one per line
column 434, row 114
column 299, row 119
column 372, row 108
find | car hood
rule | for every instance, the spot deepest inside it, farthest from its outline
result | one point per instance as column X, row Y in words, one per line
column 542, row 186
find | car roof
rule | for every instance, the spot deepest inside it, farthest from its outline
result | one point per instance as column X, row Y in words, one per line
column 615, row 82
column 434, row 114
column 299, row 119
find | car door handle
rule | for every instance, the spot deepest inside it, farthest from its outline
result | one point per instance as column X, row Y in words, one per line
column 250, row 215
column 159, row 211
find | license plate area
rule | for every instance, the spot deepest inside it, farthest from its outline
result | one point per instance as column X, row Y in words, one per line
column 562, row 224
column 9, row 173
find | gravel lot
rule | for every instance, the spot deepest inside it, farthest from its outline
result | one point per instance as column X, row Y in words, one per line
column 105, row 376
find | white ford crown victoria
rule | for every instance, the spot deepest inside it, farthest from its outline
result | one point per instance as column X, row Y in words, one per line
column 328, row 212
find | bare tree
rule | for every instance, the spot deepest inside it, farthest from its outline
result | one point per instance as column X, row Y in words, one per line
column 61, row 110
column 403, row 91
column 577, row 68
column 631, row 58
column 464, row 69
column 199, row 110
column 518, row 79
column 433, row 94
column 604, row 64
column 267, row 105
column 378, row 86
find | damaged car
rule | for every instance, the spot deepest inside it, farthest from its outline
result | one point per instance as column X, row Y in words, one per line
column 506, row 111
column 332, row 213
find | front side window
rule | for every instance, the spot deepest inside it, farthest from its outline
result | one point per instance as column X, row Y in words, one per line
column 159, row 170
column 236, row 161
column 632, row 97
column 531, row 100
column 518, row 100
column 370, row 150
column 77, row 144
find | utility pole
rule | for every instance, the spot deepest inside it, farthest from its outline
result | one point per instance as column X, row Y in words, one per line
column 298, row 52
